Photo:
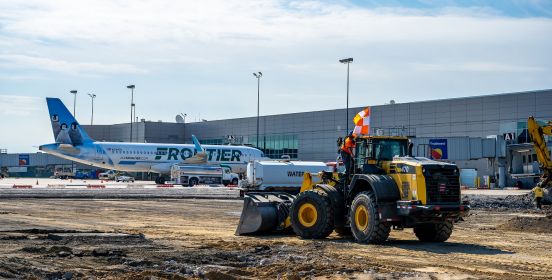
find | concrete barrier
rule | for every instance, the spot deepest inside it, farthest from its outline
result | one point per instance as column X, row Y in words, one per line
column 22, row 186
column 165, row 186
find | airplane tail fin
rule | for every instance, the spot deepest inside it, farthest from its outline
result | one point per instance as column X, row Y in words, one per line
column 198, row 147
column 64, row 125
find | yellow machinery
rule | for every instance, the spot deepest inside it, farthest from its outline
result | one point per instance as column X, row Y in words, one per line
column 537, row 133
column 387, row 189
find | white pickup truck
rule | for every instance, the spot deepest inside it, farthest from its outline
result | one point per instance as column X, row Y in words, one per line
column 109, row 175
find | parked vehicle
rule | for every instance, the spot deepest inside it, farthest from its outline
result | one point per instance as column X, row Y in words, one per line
column 229, row 177
column 63, row 172
column 191, row 175
column 80, row 174
column 125, row 178
column 109, row 175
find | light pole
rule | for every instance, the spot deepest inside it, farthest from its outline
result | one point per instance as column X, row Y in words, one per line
column 347, row 61
column 74, row 92
column 92, row 96
column 258, row 76
column 131, row 87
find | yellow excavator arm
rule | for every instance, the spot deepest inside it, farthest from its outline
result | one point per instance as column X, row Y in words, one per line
column 537, row 133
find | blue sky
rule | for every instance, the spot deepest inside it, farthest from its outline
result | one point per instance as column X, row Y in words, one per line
column 196, row 57
column 510, row 8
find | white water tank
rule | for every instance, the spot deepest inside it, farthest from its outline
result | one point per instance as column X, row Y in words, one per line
column 263, row 175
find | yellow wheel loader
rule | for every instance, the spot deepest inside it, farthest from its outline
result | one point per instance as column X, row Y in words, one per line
column 387, row 189
column 537, row 132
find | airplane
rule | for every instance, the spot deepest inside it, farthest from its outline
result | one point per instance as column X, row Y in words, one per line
column 73, row 143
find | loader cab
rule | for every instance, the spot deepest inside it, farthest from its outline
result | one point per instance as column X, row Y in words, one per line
column 372, row 152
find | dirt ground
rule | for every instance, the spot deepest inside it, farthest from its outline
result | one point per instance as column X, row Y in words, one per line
column 182, row 239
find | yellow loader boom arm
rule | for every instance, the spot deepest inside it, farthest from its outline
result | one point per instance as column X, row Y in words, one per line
column 537, row 133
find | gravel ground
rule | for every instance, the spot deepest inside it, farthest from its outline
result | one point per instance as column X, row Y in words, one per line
column 194, row 239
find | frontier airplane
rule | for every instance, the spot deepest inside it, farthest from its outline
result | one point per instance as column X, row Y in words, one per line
column 73, row 143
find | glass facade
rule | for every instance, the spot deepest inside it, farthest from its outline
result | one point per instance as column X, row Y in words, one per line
column 273, row 146
column 519, row 129
column 218, row 141
column 276, row 146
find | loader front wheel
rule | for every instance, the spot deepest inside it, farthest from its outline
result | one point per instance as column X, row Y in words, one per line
column 366, row 226
column 312, row 215
column 437, row 232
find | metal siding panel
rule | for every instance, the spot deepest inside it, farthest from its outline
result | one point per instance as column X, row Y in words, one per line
column 458, row 148
column 420, row 145
column 475, row 148
column 489, row 148
column 500, row 147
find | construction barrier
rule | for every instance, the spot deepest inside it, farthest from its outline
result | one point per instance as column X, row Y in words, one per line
column 96, row 186
column 22, row 186
column 165, row 186
column 56, row 186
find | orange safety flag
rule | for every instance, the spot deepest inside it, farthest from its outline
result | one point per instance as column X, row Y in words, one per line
column 362, row 122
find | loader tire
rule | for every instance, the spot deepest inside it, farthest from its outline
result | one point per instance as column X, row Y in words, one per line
column 338, row 206
column 312, row 215
column 366, row 226
column 437, row 232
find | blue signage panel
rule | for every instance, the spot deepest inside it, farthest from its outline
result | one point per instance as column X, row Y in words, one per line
column 438, row 148
column 23, row 160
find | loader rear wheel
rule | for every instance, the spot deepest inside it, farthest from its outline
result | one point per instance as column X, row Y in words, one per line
column 366, row 226
column 312, row 215
column 437, row 232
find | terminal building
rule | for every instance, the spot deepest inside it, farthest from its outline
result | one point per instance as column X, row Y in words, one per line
column 483, row 133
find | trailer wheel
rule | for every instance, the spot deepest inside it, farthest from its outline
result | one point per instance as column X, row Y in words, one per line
column 436, row 232
column 366, row 226
column 312, row 215
column 192, row 182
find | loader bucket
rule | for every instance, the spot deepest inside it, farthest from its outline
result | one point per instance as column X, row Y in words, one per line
column 264, row 213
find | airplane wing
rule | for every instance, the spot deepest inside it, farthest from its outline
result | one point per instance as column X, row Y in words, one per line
column 201, row 155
